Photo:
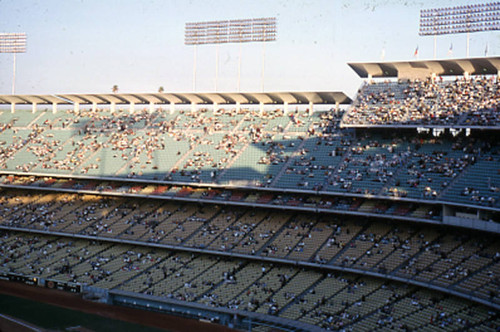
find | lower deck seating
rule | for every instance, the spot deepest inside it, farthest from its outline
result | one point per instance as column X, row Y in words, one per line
column 447, row 258
column 327, row 300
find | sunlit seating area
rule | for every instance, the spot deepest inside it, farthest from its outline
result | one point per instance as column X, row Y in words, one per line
column 297, row 150
column 463, row 101
column 433, row 255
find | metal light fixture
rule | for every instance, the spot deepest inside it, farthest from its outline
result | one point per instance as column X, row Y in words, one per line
column 13, row 42
column 230, row 31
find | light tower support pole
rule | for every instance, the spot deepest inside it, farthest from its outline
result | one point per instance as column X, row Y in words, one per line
column 14, row 75
column 467, row 51
column 13, row 43
column 263, row 64
column 239, row 69
column 194, row 69
column 216, row 65
column 435, row 46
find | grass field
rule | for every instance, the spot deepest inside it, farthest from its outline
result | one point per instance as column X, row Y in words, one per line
column 59, row 319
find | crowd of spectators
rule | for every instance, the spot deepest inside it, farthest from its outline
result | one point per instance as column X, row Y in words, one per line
column 473, row 101
column 298, row 150
column 308, row 151
column 329, row 300
column 366, row 245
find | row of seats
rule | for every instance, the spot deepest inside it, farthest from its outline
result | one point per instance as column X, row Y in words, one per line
column 468, row 262
column 464, row 101
column 328, row 300
column 324, row 202
column 293, row 151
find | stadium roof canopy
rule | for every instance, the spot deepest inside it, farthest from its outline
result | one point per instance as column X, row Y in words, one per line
column 324, row 97
column 31, row 99
column 452, row 67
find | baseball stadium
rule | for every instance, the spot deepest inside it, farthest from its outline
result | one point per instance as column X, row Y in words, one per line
column 297, row 209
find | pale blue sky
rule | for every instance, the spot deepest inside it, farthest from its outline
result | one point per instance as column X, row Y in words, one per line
column 87, row 46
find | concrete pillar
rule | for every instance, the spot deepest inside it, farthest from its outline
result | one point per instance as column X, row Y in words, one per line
column 482, row 215
column 151, row 107
column 448, row 211
column 94, row 106
column 54, row 108
column 433, row 77
column 172, row 108
column 33, row 109
column 215, row 107
column 193, row 107
column 311, row 108
column 132, row 107
column 113, row 107
column 466, row 75
column 285, row 107
column 261, row 108
column 13, row 108
column 337, row 104
column 238, row 106
column 77, row 107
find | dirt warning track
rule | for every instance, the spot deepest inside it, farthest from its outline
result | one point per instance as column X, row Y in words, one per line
column 75, row 302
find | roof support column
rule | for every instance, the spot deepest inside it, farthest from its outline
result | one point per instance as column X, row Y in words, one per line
column 311, row 108
column 113, row 107
column 77, row 107
column 466, row 75
column 238, row 106
column 193, row 107
column 215, row 107
column 285, row 107
column 54, row 108
column 151, row 107
column 337, row 104
column 33, row 109
column 132, row 107
column 261, row 108
column 94, row 106
column 13, row 108
column 172, row 108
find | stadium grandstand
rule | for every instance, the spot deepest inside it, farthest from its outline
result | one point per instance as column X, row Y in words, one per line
column 292, row 211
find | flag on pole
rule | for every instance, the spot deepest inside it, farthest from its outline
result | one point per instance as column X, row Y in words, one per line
column 486, row 50
column 416, row 52
column 450, row 50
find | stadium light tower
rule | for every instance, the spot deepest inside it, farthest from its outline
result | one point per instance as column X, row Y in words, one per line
column 13, row 43
column 230, row 31
column 459, row 19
